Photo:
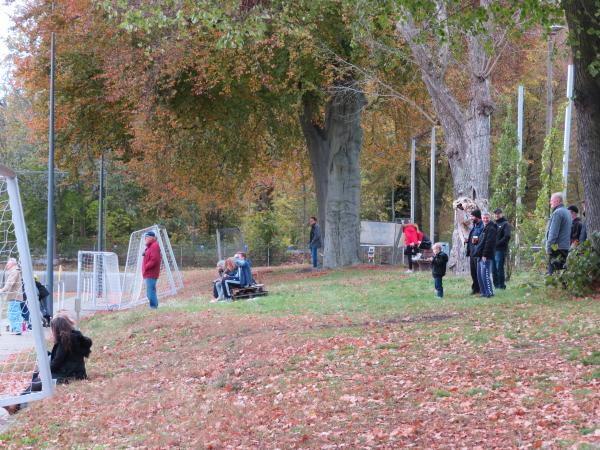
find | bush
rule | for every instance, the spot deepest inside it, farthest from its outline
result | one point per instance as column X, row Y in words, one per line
column 582, row 273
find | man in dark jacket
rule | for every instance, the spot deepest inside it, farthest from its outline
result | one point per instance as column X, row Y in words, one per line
column 558, row 234
column 472, row 242
column 576, row 225
column 151, row 267
column 485, row 250
column 315, row 241
column 502, row 239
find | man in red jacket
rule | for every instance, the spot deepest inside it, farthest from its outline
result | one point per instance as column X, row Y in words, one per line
column 151, row 267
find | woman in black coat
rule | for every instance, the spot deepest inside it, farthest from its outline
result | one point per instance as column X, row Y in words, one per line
column 69, row 351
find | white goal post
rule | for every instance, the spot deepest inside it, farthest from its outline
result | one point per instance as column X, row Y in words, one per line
column 98, row 281
column 20, row 355
column 169, row 280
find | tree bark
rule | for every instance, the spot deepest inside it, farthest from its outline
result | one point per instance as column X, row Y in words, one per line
column 334, row 150
column 582, row 15
column 466, row 128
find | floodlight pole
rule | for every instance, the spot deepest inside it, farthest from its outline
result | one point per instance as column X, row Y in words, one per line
column 413, row 171
column 101, row 203
column 567, row 139
column 520, row 102
column 432, row 193
column 50, row 237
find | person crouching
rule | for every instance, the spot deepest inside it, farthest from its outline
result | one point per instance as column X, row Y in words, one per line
column 438, row 268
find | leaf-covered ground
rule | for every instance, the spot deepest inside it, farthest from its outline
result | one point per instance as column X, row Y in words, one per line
column 352, row 359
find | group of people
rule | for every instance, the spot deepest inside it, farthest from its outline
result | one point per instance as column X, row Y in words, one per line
column 234, row 272
column 14, row 291
column 487, row 248
column 564, row 232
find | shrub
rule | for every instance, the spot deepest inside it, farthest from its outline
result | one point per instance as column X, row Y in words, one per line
column 582, row 273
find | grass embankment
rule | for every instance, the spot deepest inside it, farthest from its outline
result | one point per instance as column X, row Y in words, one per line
column 356, row 358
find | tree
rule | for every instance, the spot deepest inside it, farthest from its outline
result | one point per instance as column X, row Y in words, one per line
column 269, row 59
column 583, row 17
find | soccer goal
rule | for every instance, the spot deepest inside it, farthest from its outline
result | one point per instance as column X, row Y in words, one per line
column 98, row 281
column 169, row 280
column 22, row 350
column 229, row 242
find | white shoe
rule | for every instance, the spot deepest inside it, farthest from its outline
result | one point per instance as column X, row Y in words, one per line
column 409, row 271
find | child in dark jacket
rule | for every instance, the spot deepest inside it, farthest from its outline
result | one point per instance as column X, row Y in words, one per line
column 438, row 268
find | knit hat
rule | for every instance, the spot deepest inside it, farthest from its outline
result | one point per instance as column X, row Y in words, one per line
column 498, row 211
column 476, row 213
column 573, row 208
column 150, row 234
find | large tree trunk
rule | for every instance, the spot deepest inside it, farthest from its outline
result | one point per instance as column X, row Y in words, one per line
column 334, row 150
column 586, row 48
column 466, row 128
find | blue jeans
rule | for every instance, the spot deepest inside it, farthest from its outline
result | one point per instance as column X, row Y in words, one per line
column 439, row 287
column 314, row 256
column 498, row 269
column 483, row 275
column 151, row 292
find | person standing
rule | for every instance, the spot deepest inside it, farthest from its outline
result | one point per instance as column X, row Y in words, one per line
column 472, row 242
column 412, row 240
column 484, row 251
column 315, row 241
column 576, row 225
column 151, row 267
column 503, row 234
column 438, row 268
column 558, row 234
column 13, row 289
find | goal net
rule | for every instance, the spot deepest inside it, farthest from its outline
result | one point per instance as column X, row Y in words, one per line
column 383, row 237
column 229, row 242
column 98, row 280
column 22, row 344
column 169, row 281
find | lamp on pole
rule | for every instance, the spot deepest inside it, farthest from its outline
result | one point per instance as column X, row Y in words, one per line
column 50, row 219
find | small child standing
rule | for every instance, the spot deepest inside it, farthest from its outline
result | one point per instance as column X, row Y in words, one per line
column 438, row 268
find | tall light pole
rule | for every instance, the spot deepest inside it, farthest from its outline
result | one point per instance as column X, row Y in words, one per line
column 50, row 219
column 549, row 68
column 101, row 204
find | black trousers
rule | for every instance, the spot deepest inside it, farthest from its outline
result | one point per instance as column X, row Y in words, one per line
column 556, row 260
column 475, row 285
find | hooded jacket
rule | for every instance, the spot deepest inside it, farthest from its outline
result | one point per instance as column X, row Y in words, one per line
column 438, row 265
column 13, row 284
column 151, row 261
column 315, row 240
column 69, row 364
column 475, row 231
column 486, row 247
column 411, row 235
column 503, row 234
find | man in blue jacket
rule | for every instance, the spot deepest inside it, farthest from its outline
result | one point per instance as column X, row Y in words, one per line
column 558, row 234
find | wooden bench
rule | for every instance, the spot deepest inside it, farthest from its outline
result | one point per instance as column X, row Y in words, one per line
column 424, row 262
column 255, row 290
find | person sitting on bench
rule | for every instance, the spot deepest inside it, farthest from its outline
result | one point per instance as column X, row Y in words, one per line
column 218, row 283
column 231, row 278
column 244, row 269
